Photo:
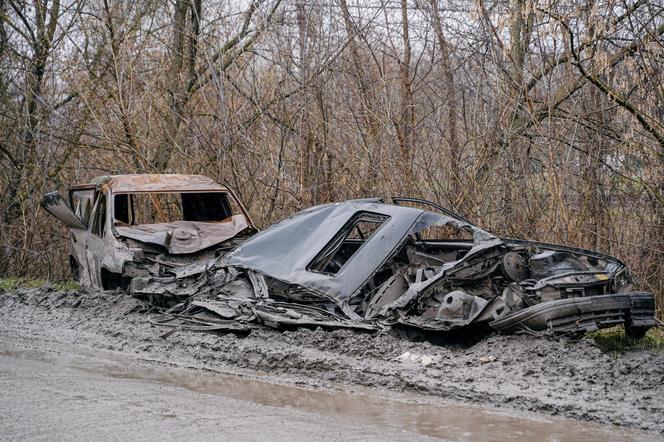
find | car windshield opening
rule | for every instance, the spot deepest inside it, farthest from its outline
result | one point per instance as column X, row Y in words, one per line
column 437, row 239
column 165, row 207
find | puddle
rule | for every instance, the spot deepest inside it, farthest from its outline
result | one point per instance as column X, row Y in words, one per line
column 444, row 421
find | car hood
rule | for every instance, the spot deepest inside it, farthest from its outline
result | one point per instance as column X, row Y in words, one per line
column 182, row 237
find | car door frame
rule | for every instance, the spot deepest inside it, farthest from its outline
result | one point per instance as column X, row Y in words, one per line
column 95, row 244
column 77, row 249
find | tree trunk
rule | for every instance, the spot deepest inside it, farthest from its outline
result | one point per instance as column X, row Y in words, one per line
column 305, row 135
column 407, row 114
column 181, row 75
column 368, row 184
column 23, row 161
column 455, row 171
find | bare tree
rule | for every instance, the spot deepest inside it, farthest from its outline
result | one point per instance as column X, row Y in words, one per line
column 534, row 119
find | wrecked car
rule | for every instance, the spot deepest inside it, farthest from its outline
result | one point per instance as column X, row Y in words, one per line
column 410, row 266
column 128, row 226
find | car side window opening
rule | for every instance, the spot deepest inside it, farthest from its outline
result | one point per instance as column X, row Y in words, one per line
column 446, row 232
column 121, row 208
column 347, row 242
column 164, row 207
column 437, row 240
column 99, row 226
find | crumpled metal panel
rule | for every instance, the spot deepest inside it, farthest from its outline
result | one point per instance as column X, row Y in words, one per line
column 181, row 237
column 286, row 249
column 392, row 278
column 56, row 205
column 572, row 315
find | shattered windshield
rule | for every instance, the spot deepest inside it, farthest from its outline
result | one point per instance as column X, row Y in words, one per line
column 163, row 207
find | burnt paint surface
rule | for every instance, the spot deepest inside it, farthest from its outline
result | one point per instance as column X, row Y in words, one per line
column 106, row 254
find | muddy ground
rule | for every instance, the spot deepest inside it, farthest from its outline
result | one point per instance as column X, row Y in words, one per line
column 515, row 373
column 92, row 406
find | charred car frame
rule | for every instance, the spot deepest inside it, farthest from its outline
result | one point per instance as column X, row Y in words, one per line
column 126, row 226
column 406, row 265
column 369, row 265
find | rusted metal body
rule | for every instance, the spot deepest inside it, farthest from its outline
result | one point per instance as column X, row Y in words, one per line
column 110, row 243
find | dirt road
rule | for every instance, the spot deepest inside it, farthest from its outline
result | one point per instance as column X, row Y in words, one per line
column 523, row 379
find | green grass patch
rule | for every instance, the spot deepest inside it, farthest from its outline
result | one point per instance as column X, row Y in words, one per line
column 614, row 340
column 9, row 284
column 66, row 285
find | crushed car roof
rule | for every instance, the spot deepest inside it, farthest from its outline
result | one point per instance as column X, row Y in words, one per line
column 285, row 250
column 157, row 183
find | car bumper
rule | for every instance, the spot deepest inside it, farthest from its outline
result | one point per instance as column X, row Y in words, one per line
column 586, row 314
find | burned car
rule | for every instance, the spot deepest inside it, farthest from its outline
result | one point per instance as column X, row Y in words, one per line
column 128, row 226
column 408, row 265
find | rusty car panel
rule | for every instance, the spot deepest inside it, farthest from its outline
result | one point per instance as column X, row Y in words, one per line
column 126, row 226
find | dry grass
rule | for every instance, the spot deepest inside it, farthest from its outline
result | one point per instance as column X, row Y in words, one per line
column 8, row 284
column 614, row 340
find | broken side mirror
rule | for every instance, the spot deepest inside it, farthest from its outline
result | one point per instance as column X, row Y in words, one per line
column 57, row 206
